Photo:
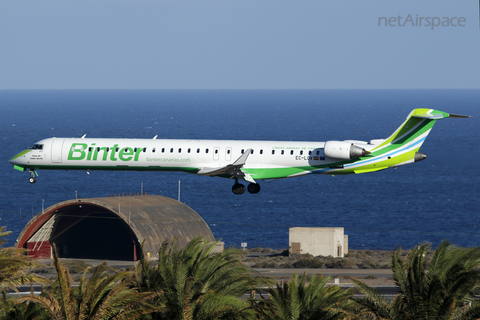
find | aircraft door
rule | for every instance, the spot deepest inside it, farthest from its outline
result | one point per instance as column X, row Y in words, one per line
column 216, row 153
column 57, row 146
column 228, row 154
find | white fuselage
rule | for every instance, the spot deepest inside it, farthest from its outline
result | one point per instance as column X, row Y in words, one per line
column 151, row 154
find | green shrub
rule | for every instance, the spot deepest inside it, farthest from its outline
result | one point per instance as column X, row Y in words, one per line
column 368, row 264
column 341, row 264
column 76, row 266
column 286, row 265
column 265, row 264
column 309, row 263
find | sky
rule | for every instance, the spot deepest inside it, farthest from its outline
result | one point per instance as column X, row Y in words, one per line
column 239, row 44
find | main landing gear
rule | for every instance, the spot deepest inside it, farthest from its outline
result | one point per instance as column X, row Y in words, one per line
column 239, row 188
column 33, row 176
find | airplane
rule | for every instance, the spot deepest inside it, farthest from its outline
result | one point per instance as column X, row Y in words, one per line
column 249, row 161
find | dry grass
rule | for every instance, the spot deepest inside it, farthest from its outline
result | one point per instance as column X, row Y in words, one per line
column 355, row 259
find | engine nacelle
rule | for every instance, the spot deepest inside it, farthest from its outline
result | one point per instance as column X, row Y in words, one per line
column 343, row 150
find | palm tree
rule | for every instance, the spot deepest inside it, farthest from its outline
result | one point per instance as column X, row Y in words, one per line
column 102, row 296
column 302, row 299
column 195, row 283
column 440, row 289
column 15, row 266
column 23, row 311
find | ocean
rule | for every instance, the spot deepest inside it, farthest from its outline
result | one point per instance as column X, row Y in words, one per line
column 432, row 200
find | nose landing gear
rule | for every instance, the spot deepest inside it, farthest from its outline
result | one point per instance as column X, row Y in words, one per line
column 33, row 176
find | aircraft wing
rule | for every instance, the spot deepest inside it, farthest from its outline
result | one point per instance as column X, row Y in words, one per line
column 233, row 170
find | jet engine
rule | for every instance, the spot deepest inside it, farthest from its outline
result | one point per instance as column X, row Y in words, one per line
column 343, row 150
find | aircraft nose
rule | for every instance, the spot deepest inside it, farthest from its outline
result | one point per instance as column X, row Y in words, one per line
column 17, row 159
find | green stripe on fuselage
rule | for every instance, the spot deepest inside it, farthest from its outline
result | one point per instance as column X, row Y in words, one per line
column 24, row 152
column 113, row 168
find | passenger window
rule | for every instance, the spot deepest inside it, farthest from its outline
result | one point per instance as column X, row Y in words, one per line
column 98, row 149
column 153, row 150
column 206, row 150
column 216, row 151
column 261, row 151
column 144, row 149
column 179, row 150
column 171, row 150
column 273, row 151
column 198, row 150
column 163, row 150
column 243, row 151
column 301, row 152
column 309, row 153
column 251, row 152
column 188, row 150
column 318, row 152
column 228, row 151
column 116, row 149
column 90, row 149
column 291, row 152
column 283, row 151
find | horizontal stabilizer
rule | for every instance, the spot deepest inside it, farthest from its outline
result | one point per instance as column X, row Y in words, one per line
column 451, row 115
column 435, row 114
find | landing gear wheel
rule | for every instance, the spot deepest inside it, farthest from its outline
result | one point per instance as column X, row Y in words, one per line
column 238, row 188
column 33, row 178
column 254, row 188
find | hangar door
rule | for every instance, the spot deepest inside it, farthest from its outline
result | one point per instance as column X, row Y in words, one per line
column 85, row 231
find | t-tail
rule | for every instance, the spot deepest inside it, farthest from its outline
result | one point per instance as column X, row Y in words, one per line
column 405, row 142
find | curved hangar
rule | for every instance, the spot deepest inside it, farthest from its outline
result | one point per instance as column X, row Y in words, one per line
column 111, row 228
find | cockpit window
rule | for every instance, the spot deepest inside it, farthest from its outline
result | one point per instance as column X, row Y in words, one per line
column 36, row 147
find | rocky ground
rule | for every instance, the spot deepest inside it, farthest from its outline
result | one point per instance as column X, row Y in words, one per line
column 370, row 266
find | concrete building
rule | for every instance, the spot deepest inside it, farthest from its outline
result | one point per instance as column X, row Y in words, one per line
column 111, row 228
column 318, row 241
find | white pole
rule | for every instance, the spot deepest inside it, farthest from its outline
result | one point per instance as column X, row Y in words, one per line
column 43, row 206
column 178, row 190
